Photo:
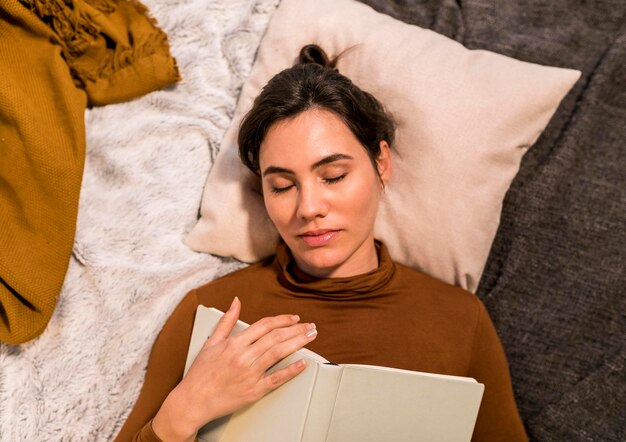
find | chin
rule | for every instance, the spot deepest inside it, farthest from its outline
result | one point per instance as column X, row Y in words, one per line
column 320, row 260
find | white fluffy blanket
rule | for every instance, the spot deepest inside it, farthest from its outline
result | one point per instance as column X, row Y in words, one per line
column 147, row 161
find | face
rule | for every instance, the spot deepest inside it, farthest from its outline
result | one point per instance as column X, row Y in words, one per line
column 322, row 192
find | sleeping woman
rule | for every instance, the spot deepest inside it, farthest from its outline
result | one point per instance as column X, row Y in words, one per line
column 321, row 149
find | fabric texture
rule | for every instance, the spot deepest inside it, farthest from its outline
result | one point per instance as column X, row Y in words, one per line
column 42, row 150
column 114, row 49
column 147, row 434
column 406, row 319
column 146, row 164
column 42, row 133
column 554, row 281
column 465, row 118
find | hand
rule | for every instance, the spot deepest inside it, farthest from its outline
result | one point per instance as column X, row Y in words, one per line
column 230, row 372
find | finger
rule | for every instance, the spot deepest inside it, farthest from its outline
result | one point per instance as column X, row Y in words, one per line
column 280, row 377
column 263, row 326
column 275, row 338
column 283, row 349
column 226, row 323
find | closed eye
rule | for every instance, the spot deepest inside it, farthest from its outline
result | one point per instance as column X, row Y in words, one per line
column 332, row 180
column 281, row 189
column 335, row 179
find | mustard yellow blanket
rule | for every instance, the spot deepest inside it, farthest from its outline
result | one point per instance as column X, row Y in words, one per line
column 56, row 58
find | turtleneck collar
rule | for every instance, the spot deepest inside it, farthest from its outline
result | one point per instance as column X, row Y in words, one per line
column 354, row 287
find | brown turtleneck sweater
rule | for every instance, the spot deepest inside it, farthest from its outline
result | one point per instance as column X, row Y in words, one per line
column 392, row 316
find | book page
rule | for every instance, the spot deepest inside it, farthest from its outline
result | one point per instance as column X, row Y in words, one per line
column 423, row 373
column 278, row 416
column 322, row 403
column 400, row 405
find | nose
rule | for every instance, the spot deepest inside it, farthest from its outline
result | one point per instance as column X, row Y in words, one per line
column 311, row 203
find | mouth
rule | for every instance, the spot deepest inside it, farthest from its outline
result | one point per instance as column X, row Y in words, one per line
column 318, row 238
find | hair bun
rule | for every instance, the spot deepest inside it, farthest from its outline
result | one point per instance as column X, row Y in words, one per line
column 312, row 53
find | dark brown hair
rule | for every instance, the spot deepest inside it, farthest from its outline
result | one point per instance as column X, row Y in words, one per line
column 314, row 82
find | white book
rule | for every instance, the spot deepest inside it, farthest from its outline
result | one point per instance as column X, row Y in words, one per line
column 349, row 402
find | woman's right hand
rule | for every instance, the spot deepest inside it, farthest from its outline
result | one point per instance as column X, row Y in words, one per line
column 230, row 372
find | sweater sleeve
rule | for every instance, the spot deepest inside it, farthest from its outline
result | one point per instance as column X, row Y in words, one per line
column 165, row 371
column 147, row 434
column 498, row 418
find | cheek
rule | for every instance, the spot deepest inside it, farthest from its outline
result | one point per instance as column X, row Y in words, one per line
column 278, row 209
column 361, row 196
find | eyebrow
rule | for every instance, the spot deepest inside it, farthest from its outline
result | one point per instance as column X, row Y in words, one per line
column 326, row 160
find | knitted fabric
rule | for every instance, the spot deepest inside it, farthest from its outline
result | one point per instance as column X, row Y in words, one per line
column 56, row 59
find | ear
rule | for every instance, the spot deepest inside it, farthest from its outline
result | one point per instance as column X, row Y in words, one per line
column 383, row 162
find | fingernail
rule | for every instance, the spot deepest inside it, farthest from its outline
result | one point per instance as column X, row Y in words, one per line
column 311, row 333
column 311, row 326
column 295, row 318
column 232, row 305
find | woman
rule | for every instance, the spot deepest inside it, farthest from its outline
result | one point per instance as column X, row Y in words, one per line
column 321, row 148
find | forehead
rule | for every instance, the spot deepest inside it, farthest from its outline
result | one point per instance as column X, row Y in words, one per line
column 308, row 137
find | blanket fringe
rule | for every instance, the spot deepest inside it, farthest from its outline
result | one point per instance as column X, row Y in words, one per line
column 77, row 32
column 71, row 23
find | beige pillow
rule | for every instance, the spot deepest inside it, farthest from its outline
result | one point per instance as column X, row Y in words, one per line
column 465, row 118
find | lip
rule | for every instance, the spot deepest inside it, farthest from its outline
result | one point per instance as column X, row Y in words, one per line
column 318, row 238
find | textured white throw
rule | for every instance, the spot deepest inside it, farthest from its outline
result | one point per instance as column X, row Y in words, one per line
column 147, row 162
